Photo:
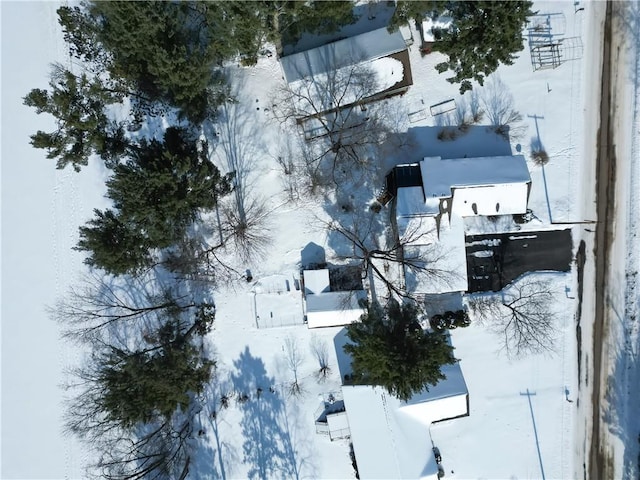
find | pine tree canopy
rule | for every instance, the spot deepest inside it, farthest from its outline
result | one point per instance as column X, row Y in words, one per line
column 113, row 244
column 161, row 50
column 162, row 186
column 143, row 385
column 392, row 350
column 484, row 34
column 169, row 51
column 156, row 194
column 77, row 103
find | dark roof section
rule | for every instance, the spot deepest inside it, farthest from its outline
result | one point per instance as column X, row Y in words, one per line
column 403, row 176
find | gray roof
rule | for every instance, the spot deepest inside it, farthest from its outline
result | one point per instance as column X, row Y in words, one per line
column 440, row 175
column 349, row 51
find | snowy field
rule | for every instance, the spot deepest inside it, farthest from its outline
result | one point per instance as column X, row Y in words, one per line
column 41, row 211
column 507, row 435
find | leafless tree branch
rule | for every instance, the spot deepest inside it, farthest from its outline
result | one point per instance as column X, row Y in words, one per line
column 376, row 247
column 522, row 314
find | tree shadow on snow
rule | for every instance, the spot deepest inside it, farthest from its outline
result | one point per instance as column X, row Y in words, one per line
column 215, row 457
column 627, row 17
column 312, row 255
column 272, row 447
column 622, row 385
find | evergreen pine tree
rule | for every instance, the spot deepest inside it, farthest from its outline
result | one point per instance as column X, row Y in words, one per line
column 408, row 11
column 113, row 244
column 78, row 104
column 316, row 17
column 484, row 34
column 162, row 50
column 156, row 194
column 143, row 385
column 162, row 185
column 391, row 349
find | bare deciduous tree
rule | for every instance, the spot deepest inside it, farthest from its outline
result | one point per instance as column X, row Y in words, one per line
column 294, row 359
column 103, row 303
column 377, row 247
column 248, row 229
column 337, row 116
column 522, row 314
column 246, row 218
column 499, row 107
column 320, row 350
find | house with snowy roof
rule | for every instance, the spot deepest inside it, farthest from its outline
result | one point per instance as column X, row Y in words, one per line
column 433, row 197
column 325, row 307
column 328, row 80
column 391, row 438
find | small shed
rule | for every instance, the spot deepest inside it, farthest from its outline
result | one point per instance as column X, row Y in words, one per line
column 430, row 30
column 331, row 417
column 326, row 308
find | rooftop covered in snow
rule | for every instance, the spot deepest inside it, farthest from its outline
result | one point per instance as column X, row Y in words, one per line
column 445, row 265
column 441, row 175
column 354, row 70
column 391, row 438
column 343, row 53
column 326, row 308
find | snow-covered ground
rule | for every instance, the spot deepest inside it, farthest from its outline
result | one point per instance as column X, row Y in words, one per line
column 41, row 211
column 622, row 383
column 507, row 435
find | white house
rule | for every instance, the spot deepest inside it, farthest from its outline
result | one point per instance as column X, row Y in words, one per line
column 477, row 186
column 348, row 72
column 326, row 308
column 433, row 197
column 390, row 437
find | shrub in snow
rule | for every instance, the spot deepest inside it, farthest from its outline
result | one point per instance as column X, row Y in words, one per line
column 540, row 157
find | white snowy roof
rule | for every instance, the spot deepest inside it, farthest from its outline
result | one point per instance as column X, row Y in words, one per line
column 316, row 281
column 454, row 385
column 447, row 254
column 343, row 53
column 337, row 421
column 330, row 309
column 410, row 202
column 325, row 308
column 334, row 301
column 388, row 443
column 344, row 86
column 440, row 176
column 415, row 219
column 391, row 438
